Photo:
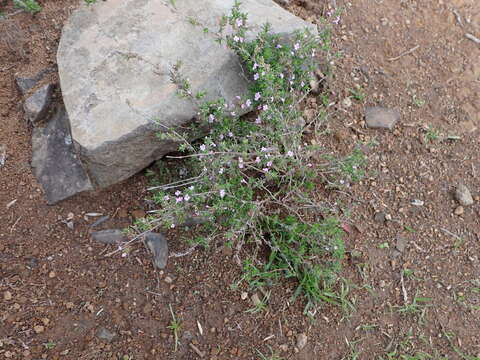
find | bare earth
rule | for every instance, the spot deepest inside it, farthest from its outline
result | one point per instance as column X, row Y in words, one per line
column 57, row 288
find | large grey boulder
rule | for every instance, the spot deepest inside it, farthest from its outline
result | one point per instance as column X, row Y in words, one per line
column 114, row 61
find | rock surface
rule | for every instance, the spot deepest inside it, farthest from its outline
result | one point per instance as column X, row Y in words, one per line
column 158, row 245
column 115, row 59
column 36, row 106
column 55, row 163
column 26, row 83
column 377, row 117
column 463, row 195
column 110, row 236
column 105, row 334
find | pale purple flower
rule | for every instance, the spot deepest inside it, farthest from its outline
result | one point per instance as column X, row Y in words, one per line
column 281, row 76
column 239, row 22
column 203, row 147
column 265, row 107
column 269, row 164
column 263, row 73
column 279, row 46
column 263, row 149
column 179, row 199
column 248, row 103
column 230, row 134
column 302, row 84
column 296, row 46
column 258, row 120
column 221, row 171
column 257, row 96
column 290, row 154
column 256, row 76
column 240, row 165
column 257, row 160
column 236, row 38
column 255, row 65
column 241, row 39
column 233, row 113
column 221, row 136
column 211, row 118
column 172, row 226
column 187, row 197
column 243, row 106
column 265, row 169
column 177, row 193
column 166, row 198
column 237, row 97
column 337, row 20
column 222, row 193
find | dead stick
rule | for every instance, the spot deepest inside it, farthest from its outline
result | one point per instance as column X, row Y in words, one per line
column 473, row 38
column 197, row 350
column 405, row 53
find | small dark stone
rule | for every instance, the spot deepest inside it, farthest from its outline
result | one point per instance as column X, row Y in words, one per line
column 26, row 83
column 158, row 245
column 36, row 106
column 105, row 334
column 379, row 217
column 401, row 243
column 377, row 117
column 54, row 160
column 111, row 236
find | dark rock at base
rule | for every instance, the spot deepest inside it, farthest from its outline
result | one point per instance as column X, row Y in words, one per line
column 111, row 236
column 377, row 117
column 55, row 163
column 36, row 106
column 26, row 83
column 158, row 245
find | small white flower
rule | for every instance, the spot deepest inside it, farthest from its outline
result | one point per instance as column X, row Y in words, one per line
column 166, row 198
column 177, row 193
column 265, row 107
column 222, row 193
column 172, row 226
column 258, row 120
column 257, row 96
column 203, row 147
column 236, row 38
column 290, row 154
column 221, row 171
column 187, row 197
column 211, row 118
column 296, row 46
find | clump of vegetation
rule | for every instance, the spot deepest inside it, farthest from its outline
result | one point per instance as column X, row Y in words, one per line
column 252, row 178
column 30, row 6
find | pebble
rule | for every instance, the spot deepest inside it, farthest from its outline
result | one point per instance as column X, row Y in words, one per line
column 379, row 217
column 347, row 102
column 301, row 341
column 111, row 236
column 459, row 210
column 105, row 334
column 377, row 117
column 256, row 300
column 51, row 274
column 36, row 106
column 168, row 280
column 7, row 295
column 39, row 329
column 244, row 295
column 158, row 246
column 463, row 195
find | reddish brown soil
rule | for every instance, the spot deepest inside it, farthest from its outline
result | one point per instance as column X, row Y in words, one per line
column 57, row 288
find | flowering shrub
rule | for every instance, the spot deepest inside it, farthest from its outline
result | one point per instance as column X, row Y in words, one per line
column 252, row 180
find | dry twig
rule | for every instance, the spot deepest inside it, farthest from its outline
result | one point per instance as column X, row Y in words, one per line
column 404, row 53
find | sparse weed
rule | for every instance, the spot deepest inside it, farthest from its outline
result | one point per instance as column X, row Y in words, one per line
column 251, row 177
column 432, row 134
column 30, row 6
column 418, row 307
column 90, row 1
column 273, row 355
column 358, row 94
column 417, row 101
column 175, row 326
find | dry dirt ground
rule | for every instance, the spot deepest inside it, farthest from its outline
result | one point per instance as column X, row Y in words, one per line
column 58, row 289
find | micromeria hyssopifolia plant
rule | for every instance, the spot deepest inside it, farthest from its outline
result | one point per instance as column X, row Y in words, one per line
column 252, row 180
